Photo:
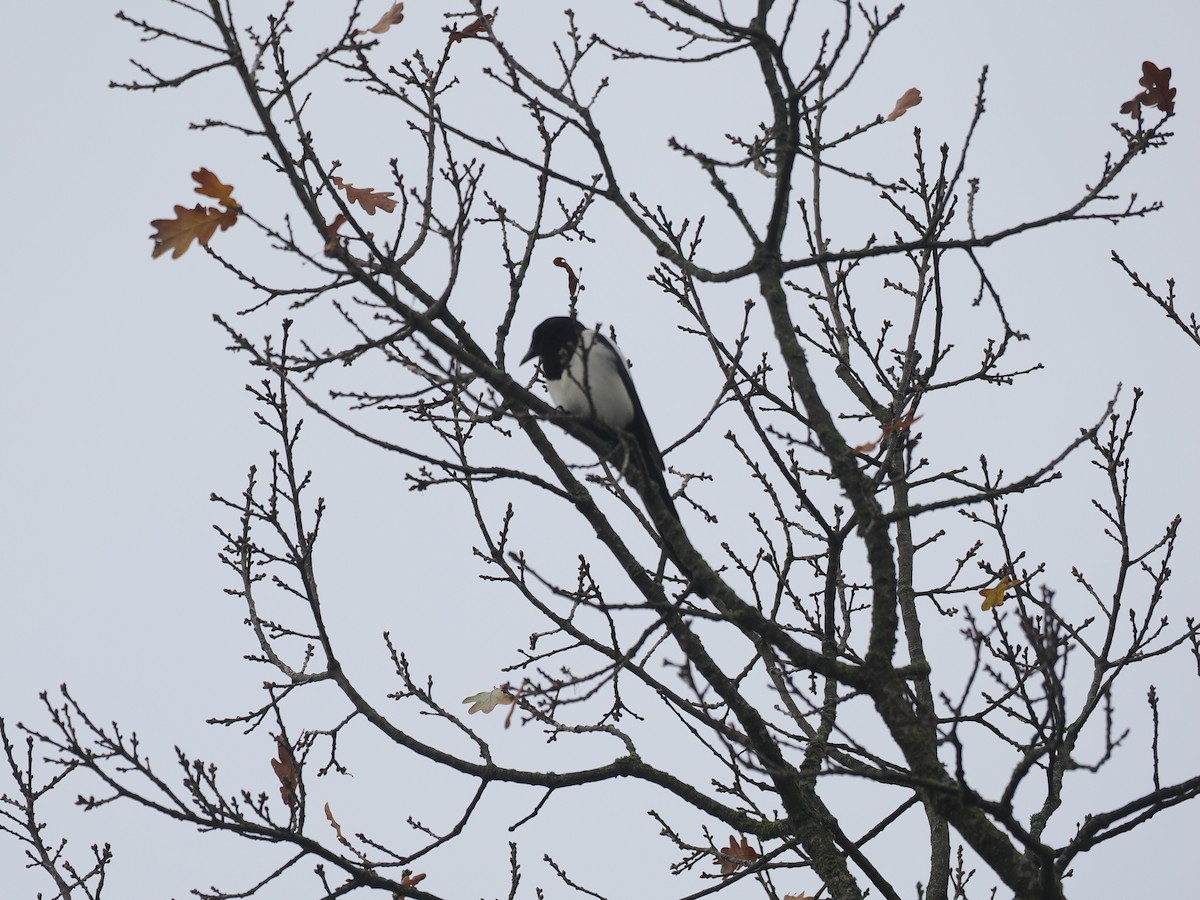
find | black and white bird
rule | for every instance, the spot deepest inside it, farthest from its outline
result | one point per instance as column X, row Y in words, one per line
column 588, row 377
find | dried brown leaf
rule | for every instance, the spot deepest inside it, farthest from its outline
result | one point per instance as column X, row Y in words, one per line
column 907, row 101
column 210, row 186
column 331, row 230
column 572, row 280
column 486, row 701
column 475, row 29
column 199, row 223
column 736, row 855
column 393, row 16
column 286, row 771
column 368, row 198
column 890, row 428
column 1158, row 91
column 336, row 827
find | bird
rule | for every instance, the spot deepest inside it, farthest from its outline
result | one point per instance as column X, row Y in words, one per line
column 587, row 376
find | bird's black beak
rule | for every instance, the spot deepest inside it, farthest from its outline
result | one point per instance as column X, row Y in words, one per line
column 530, row 355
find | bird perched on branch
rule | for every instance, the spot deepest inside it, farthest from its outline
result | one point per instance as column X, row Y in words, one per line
column 588, row 377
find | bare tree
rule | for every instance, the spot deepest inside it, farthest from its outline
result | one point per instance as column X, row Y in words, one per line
column 776, row 633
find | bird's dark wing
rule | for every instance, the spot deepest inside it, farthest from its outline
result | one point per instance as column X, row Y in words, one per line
column 639, row 429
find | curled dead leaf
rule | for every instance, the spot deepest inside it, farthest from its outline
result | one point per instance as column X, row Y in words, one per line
column 331, row 230
column 890, row 428
column 907, row 101
column 393, row 16
column 475, row 29
column 336, row 827
column 286, row 771
column 486, row 701
column 572, row 280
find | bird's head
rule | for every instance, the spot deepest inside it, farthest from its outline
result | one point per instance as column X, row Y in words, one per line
column 554, row 336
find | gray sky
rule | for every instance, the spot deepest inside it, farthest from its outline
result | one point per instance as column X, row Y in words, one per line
column 122, row 412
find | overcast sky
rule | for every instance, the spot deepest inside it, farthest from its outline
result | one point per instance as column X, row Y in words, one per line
column 122, row 411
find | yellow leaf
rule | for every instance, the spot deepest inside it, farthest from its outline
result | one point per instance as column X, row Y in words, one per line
column 994, row 596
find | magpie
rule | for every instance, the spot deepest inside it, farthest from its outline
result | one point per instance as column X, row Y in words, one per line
column 588, row 377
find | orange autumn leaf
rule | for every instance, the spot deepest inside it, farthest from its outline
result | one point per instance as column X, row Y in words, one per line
column 368, row 198
column 211, row 186
column 800, row 896
column 411, row 880
column 735, row 855
column 199, row 223
column 473, row 30
column 993, row 597
column 890, row 428
column 907, row 101
column 393, row 16
column 286, row 771
column 486, row 701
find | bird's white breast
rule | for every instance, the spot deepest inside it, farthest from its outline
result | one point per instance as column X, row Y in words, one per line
column 593, row 383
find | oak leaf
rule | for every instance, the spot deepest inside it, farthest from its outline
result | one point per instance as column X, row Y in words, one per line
column 1158, row 91
column 735, row 855
column 1157, row 83
column 210, row 186
column 393, row 16
column 368, row 198
column 907, row 101
column 993, row 597
column 199, row 223
column 286, row 771
column 488, row 700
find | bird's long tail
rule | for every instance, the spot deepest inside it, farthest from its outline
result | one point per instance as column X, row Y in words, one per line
column 652, row 466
